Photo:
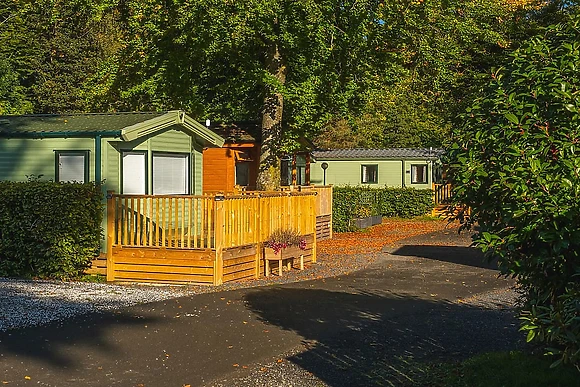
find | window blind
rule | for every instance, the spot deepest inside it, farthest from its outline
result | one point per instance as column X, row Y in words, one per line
column 170, row 174
column 134, row 173
column 71, row 167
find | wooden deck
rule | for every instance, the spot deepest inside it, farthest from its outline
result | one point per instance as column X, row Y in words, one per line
column 205, row 239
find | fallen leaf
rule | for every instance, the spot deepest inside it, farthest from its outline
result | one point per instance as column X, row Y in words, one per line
column 27, row 377
column 236, row 365
column 279, row 361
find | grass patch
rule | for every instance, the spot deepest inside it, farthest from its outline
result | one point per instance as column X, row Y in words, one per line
column 96, row 278
column 503, row 369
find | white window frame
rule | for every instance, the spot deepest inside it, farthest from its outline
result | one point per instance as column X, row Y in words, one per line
column 81, row 153
column 187, row 175
column 364, row 173
column 124, row 172
column 414, row 168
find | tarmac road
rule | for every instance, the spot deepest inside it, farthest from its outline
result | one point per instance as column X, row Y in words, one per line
column 418, row 302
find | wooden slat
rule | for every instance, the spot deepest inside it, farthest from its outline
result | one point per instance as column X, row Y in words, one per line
column 144, row 276
column 170, row 262
column 242, row 251
column 238, row 275
column 204, row 254
column 239, row 267
column 239, row 261
column 164, row 269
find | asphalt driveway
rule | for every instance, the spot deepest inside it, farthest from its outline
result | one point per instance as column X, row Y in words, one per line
column 429, row 297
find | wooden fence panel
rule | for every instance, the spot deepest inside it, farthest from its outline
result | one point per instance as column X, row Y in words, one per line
column 442, row 193
column 163, row 221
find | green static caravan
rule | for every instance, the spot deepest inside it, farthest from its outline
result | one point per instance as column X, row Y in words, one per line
column 149, row 153
column 396, row 167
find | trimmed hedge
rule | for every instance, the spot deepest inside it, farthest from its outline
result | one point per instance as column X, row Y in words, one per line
column 360, row 202
column 47, row 229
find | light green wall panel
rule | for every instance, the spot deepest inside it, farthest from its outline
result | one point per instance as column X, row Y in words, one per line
column 171, row 141
column 196, row 156
column 22, row 157
column 348, row 172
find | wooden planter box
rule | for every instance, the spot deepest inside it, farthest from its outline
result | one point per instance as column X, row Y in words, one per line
column 288, row 254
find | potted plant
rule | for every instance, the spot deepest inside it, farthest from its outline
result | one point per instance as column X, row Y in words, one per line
column 284, row 245
column 363, row 217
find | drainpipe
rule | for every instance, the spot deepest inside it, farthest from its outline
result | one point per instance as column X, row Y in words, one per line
column 403, row 173
column 98, row 176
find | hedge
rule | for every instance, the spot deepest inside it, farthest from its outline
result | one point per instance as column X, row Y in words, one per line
column 360, row 202
column 49, row 230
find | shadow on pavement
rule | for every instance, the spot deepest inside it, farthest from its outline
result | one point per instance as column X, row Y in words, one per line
column 60, row 347
column 365, row 339
column 461, row 255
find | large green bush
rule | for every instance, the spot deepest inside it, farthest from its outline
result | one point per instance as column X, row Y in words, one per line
column 516, row 164
column 361, row 201
column 48, row 230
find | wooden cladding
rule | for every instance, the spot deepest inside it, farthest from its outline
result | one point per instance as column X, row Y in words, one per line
column 144, row 264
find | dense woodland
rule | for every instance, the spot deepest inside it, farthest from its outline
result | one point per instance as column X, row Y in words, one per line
column 355, row 73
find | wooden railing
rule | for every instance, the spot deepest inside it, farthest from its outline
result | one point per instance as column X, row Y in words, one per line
column 193, row 222
column 163, row 221
column 442, row 193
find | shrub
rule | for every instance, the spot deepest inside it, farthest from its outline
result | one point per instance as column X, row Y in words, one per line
column 360, row 201
column 516, row 163
column 49, row 230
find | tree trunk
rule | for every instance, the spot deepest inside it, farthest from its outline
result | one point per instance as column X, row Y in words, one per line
column 269, row 169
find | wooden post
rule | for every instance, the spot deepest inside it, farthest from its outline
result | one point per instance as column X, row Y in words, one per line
column 313, row 225
column 110, row 235
column 307, row 169
column 257, row 233
column 219, row 232
column 329, row 194
column 294, row 170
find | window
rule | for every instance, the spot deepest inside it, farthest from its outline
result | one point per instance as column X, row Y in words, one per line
column 243, row 174
column 170, row 173
column 419, row 174
column 369, row 174
column 134, row 173
column 72, row 166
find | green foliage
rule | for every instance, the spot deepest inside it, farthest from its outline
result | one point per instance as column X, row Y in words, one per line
column 516, row 164
column 49, row 230
column 361, row 201
column 513, row 369
column 53, row 47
